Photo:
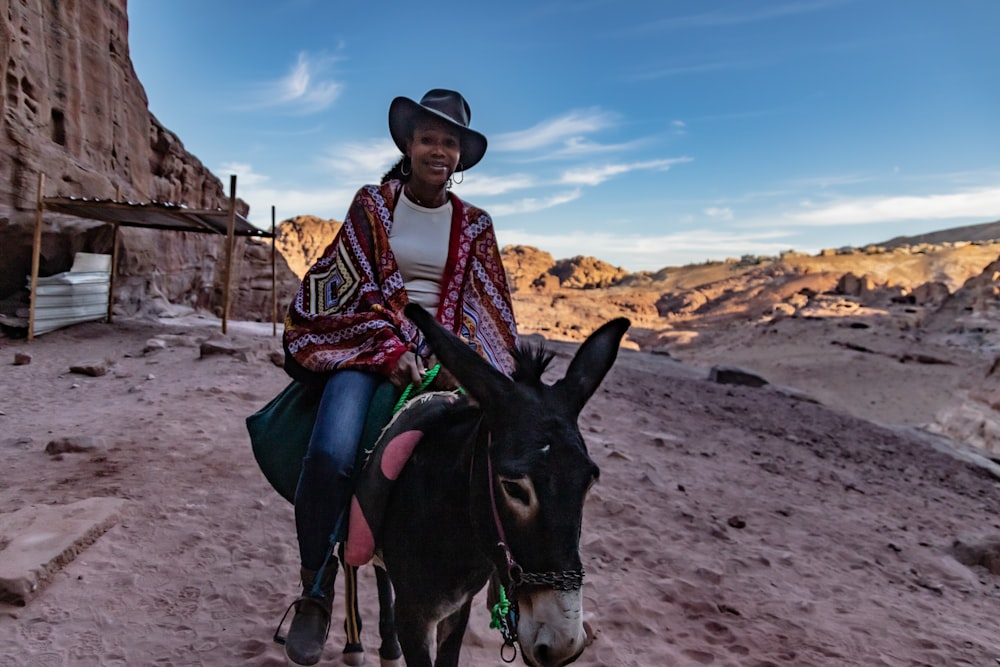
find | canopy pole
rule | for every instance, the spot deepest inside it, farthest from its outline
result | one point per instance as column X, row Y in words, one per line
column 274, row 283
column 114, row 270
column 114, row 258
column 229, row 251
column 36, row 249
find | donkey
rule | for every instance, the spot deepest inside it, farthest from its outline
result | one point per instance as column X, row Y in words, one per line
column 495, row 491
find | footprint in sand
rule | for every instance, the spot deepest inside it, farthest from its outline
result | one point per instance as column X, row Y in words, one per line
column 37, row 630
column 183, row 632
column 48, row 659
column 717, row 633
column 700, row 657
column 207, row 555
column 252, row 648
column 87, row 644
column 52, row 615
column 186, row 603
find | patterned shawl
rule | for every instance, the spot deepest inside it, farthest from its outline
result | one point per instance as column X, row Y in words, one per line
column 348, row 309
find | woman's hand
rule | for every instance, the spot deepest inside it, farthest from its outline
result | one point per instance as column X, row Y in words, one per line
column 409, row 369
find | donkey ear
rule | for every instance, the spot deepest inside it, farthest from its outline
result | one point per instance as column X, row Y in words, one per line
column 475, row 374
column 591, row 363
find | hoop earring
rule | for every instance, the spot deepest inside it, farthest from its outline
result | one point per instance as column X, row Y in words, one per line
column 402, row 166
column 459, row 171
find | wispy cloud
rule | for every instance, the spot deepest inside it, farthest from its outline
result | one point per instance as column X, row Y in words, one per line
column 721, row 212
column 831, row 180
column 533, row 204
column 736, row 64
column 978, row 203
column 596, row 175
column 742, row 115
column 365, row 160
column 330, row 203
column 575, row 147
column 258, row 190
column 743, row 15
column 567, row 130
column 305, row 89
column 479, row 185
column 245, row 175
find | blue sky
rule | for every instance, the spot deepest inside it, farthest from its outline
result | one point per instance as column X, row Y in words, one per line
column 647, row 134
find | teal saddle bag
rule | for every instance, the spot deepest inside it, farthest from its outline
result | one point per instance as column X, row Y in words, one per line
column 280, row 431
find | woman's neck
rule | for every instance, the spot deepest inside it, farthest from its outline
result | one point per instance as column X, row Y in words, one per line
column 431, row 196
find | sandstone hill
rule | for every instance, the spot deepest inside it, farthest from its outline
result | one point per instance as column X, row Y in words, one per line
column 847, row 318
column 982, row 232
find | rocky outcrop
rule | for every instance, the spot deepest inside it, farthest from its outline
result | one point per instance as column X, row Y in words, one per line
column 973, row 308
column 74, row 110
column 685, row 303
column 852, row 285
column 975, row 419
column 302, row 240
column 587, row 273
column 931, row 293
column 528, row 267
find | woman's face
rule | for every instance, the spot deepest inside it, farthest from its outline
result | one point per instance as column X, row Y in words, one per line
column 434, row 152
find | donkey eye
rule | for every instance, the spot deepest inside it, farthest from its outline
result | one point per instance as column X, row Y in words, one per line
column 517, row 490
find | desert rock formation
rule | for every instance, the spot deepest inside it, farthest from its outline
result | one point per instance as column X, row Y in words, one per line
column 74, row 110
column 302, row 240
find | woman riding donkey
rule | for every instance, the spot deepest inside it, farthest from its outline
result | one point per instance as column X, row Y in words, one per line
column 408, row 239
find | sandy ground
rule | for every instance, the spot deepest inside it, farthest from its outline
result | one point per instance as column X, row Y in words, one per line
column 732, row 526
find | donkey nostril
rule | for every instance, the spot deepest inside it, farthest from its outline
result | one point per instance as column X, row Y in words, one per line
column 542, row 652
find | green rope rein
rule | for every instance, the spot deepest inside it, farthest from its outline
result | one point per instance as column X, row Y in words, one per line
column 428, row 379
column 499, row 611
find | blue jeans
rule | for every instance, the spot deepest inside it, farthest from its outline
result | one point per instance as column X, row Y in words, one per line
column 325, row 483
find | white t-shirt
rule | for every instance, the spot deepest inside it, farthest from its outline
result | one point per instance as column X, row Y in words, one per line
column 419, row 240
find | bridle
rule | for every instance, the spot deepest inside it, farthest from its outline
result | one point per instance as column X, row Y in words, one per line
column 505, row 613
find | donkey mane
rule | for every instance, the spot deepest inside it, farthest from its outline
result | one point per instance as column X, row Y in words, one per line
column 530, row 362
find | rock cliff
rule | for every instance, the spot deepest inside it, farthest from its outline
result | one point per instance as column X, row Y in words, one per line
column 72, row 108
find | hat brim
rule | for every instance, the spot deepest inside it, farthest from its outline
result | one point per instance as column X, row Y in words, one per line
column 403, row 115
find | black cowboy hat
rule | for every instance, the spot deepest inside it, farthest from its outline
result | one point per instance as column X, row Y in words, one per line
column 445, row 105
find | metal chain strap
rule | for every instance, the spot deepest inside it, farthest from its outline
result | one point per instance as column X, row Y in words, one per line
column 569, row 580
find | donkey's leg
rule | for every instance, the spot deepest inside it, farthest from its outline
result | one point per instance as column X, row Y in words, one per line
column 450, row 632
column 354, row 652
column 389, row 650
column 416, row 634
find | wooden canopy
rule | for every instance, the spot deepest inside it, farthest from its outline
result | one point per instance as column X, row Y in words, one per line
column 153, row 215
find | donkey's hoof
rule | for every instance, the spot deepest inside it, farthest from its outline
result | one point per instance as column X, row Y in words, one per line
column 390, row 654
column 353, row 658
